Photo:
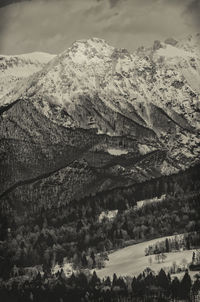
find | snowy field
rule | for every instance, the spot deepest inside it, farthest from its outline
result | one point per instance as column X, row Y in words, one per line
column 131, row 261
column 117, row 151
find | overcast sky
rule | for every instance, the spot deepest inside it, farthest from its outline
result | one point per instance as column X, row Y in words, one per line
column 53, row 25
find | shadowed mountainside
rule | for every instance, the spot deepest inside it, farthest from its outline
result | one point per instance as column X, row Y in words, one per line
column 96, row 118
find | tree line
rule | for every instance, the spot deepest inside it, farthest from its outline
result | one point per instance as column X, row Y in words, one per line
column 83, row 287
column 74, row 232
column 179, row 242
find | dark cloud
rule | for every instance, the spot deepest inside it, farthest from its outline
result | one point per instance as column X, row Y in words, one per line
column 7, row 2
column 113, row 2
column 193, row 11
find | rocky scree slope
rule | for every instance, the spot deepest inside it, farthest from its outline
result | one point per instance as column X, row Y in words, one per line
column 124, row 117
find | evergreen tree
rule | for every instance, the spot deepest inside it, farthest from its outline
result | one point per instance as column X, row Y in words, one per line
column 134, row 284
column 121, row 284
column 169, row 278
column 107, row 282
column 72, row 280
column 167, row 245
column 175, row 288
column 114, row 281
column 188, row 242
column 82, row 281
column 84, row 260
column 94, row 281
column 193, row 257
column 196, row 286
column 185, row 286
column 163, row 280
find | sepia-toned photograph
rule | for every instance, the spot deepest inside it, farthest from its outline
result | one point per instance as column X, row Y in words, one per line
column 100, row 150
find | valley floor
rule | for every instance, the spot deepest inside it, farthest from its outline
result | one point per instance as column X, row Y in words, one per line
column 131, row 261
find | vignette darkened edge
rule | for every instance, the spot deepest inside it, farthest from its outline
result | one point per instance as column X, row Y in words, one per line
column 99, row 151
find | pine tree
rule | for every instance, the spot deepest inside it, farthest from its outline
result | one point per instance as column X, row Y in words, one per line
column 94, row 281
column 107, row 282
column 196, row 286
column 84, row 260
column 193, row 257
column 188, row 242
column 121, row 283
column 167, row 245
column 72, row 279
column 163, row 280
column 185, row 286
column 114, row 282
column 175, row 288
column 82, row 281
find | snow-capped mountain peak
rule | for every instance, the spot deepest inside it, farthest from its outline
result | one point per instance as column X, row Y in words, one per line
column 83, row 51
column 93, row 83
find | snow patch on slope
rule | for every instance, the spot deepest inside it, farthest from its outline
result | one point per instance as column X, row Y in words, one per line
column 40, row 57
column 117, row 152
column 15, row 70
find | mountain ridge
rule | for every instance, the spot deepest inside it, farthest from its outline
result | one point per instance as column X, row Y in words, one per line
column 93, row 98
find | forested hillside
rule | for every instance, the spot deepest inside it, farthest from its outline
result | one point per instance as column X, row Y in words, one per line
column 99, row 150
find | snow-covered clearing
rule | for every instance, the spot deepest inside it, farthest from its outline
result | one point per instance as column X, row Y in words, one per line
column 131, row 261
column 67, row 268
column 145, row 202
column 117, row 152
column 110, row 215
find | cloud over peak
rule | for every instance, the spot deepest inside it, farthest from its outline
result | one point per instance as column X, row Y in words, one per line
column 53, row 25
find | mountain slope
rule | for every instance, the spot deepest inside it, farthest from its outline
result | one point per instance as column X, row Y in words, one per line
column 127, row 117
column 15, row 69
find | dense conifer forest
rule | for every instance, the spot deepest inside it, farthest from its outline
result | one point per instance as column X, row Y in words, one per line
column 88, row 287
column 48, row 234
column 73, row 232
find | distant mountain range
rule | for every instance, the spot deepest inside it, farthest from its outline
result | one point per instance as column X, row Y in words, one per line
column 96, row 117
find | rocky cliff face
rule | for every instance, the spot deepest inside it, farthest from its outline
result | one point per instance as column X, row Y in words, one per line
column 96, row 117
